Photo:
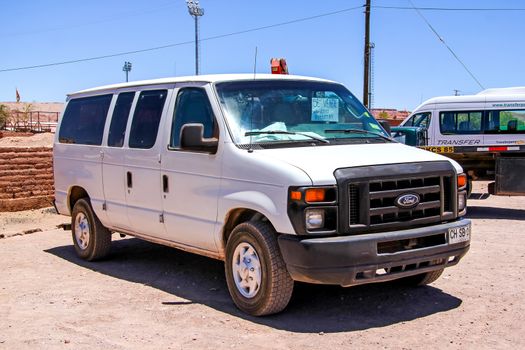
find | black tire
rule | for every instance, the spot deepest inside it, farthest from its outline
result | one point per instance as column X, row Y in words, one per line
column 276, row 287
column 421, row 279
column 98, row 237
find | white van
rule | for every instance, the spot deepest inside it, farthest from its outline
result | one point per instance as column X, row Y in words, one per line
column 282, row 177
column 485, row 133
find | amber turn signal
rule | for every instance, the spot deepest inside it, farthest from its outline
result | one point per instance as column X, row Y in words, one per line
column 295, row 195
column 313, row 195
column 462, row 180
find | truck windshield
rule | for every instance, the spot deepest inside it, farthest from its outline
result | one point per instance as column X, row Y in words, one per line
column 270, row 111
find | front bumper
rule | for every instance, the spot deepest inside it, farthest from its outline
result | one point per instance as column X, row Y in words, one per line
column 359, row 259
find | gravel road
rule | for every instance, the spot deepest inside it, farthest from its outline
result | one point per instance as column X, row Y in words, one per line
column 150, row 296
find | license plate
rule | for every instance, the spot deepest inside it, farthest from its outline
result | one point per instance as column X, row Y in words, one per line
column 458, row 234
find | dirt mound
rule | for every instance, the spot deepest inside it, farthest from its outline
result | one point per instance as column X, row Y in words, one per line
column 37, row 140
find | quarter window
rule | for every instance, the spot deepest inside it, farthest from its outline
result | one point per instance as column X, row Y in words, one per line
column 507, row 122
column 462, row 122
column 119, row 120
column 192, row 106
column 84, row 120
column 146, row 119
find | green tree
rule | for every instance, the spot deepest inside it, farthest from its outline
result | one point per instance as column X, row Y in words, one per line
column 383, row 115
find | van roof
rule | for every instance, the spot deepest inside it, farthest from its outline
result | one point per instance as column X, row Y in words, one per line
column 488, row 95
column 518, row 90
column 200, row 78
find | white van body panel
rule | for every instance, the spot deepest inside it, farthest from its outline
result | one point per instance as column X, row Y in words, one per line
column 144, row 198
column 114, row 174
column 77, row 165
column 321, row 162
column 193, row 179
column 258, row 181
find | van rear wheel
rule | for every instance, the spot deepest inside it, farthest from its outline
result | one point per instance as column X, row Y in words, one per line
column 257, row 279
column 91, row 239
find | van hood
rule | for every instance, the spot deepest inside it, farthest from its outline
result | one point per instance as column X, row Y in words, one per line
column 320, row 162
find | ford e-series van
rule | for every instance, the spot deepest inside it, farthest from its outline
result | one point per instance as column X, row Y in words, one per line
column 284, row 178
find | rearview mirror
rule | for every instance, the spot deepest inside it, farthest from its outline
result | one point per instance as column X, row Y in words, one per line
column 192, row 139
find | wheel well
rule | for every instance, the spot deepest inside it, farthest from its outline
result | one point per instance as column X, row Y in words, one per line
column 75, row 194
column 238, row 216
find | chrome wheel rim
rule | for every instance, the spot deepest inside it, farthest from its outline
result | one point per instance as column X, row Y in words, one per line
column 246, row 268
column 82, row 231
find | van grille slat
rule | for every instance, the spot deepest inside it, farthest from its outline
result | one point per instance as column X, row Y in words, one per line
column 394, row 209
column 422, row 190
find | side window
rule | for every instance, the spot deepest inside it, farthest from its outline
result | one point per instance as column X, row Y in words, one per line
column 84, row 120
column 146, row 119
column 420, row 119
column 461, row 122
column 507, row 122
column 192, row 106
column 410, row 121
column 119, row 120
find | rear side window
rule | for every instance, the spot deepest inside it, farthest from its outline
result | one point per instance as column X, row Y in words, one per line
column 506, row 122
column 193, row 106
column 119, row 120
column 146, row 118
column 461, row 122
column 84, row 120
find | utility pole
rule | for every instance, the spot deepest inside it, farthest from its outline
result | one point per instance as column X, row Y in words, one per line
column 127, row 69
column 195, row 11
column 366, row 71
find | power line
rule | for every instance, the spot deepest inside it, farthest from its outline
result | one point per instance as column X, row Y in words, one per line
column 446, row 8
column 220, row 36
column 446, row 45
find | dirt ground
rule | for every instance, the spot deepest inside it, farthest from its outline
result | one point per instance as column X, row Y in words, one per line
column 150, row 296
column 38, row 140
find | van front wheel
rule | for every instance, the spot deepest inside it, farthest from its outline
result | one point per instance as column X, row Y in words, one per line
column 90, row 238
column 256, row 275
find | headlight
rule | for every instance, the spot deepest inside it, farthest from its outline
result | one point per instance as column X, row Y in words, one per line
column 462, row 201
column 314, row 218
column 462, row 193
column 313, row 209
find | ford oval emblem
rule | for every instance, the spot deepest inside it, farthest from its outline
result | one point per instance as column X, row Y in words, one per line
column 407, row 201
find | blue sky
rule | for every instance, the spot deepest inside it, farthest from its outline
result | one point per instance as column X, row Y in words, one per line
column 411, row 64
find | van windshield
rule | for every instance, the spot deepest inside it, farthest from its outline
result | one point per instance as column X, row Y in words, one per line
column 281, row 112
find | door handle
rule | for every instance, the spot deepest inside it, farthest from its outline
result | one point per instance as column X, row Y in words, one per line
column 129, row 179
column 165, row 185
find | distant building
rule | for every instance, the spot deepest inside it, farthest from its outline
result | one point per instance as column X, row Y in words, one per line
column 393, row 116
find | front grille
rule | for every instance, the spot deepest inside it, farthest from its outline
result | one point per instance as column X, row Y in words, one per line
column 371, row 194
column 383, row 195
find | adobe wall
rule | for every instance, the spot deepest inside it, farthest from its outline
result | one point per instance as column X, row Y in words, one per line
column 26, row 178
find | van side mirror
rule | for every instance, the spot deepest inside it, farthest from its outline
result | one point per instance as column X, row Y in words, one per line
column 192, row 139
column 385, row 126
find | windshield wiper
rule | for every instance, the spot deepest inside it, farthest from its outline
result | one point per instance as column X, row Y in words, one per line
column 357, row 131
column 280, row 132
